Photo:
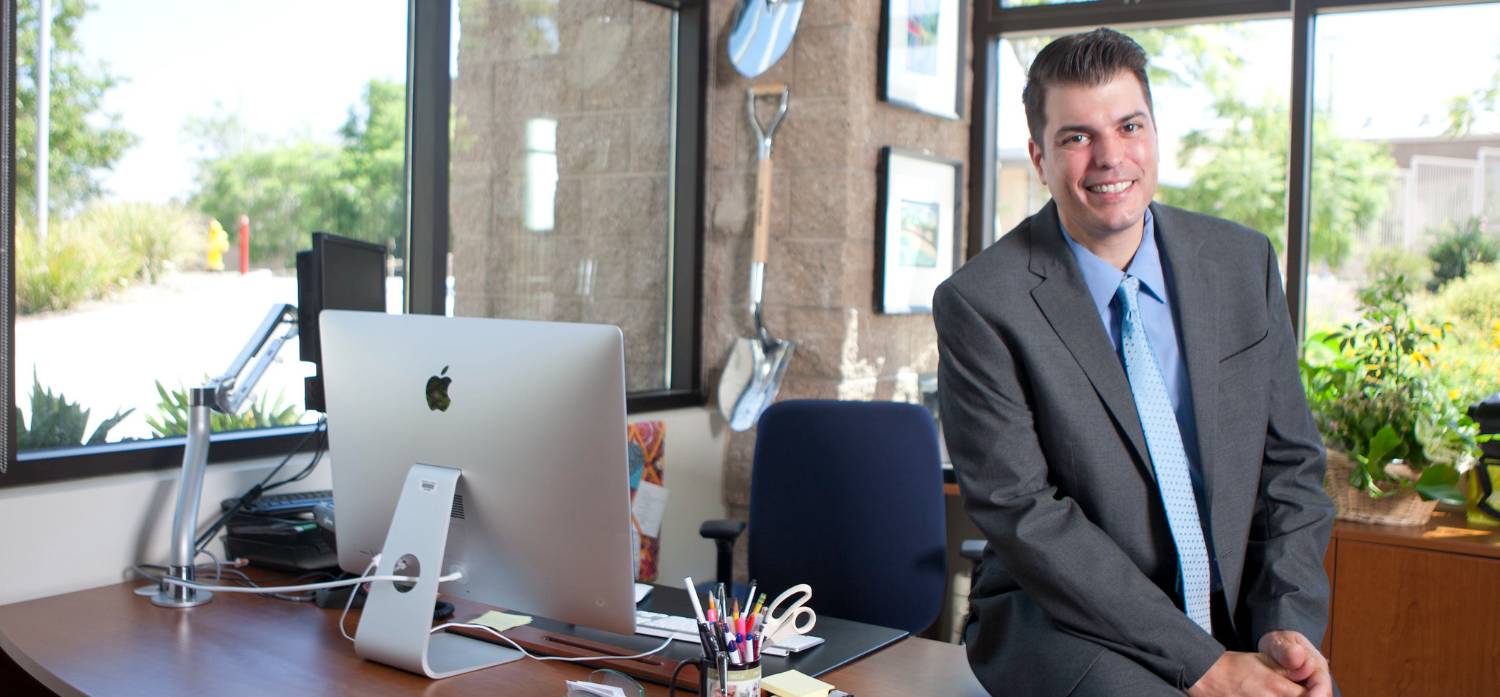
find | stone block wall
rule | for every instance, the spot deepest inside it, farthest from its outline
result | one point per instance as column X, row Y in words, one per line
column 579, row 90
column 820, row 279
column 598, row 70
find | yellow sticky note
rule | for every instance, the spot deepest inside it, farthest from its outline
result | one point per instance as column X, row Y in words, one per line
column 500, row 621
column 794, row 684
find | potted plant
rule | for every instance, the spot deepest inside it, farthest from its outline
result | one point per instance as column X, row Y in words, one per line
column 1396, row 442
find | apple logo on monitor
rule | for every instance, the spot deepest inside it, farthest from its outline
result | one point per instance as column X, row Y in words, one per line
column 437, row 391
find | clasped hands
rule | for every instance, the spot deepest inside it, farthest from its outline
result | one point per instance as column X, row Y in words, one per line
column 1287, row 665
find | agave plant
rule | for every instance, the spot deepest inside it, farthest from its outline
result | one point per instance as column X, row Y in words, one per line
column 56, row 422
column 172, row 414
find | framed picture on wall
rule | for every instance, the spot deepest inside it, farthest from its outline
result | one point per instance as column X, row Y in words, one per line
column 922, row 55
column 917, row 223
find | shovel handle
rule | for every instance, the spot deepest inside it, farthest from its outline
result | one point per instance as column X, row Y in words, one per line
column 761, row 243
column 774, row 88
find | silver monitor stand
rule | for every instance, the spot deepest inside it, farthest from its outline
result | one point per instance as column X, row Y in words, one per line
column 394, row 628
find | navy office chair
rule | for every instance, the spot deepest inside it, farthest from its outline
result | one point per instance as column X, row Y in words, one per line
column 846, row 497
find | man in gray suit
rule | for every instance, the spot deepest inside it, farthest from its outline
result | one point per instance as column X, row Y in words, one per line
column 1121, row 403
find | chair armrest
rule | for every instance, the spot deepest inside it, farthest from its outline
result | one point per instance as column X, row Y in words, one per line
column 721, row 529
column 724, row 532
column 973, row 550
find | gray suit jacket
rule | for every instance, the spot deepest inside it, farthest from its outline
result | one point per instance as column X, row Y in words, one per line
column 1053, row 466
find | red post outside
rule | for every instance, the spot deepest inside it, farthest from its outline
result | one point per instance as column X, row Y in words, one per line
column 244, row 244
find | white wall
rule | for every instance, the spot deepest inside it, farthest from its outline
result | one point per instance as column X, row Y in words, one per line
column 66, row 536
column 83, row 533
column 694, row 476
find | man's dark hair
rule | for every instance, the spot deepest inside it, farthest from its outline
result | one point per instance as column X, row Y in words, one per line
column 1088, row 59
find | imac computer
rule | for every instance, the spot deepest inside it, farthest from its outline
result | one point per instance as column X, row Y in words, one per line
column 493, row 448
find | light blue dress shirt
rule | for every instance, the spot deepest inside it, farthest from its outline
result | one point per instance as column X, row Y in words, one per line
column 1161, row 330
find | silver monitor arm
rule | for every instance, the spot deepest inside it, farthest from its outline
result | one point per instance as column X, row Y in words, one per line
column 226, row 394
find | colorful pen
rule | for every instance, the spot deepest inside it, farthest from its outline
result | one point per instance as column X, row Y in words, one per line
column 706, row 636
column 731, row 648
column 750, row 597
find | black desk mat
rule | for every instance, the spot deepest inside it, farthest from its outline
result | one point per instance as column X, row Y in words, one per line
column 843, row 640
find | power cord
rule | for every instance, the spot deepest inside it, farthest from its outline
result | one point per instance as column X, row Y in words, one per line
column 301, row 588
column 363, row 578
column 255, row 492
column 524, row 652
column 350, row 603
column 672, row 684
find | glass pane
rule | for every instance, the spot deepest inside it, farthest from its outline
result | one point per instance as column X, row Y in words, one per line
column 1406, row 177
column 1222, row 123
column 171, row 128
column 560, row 181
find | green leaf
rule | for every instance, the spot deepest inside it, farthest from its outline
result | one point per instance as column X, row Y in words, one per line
column 1440, row 482
column 1385, row 441
column 102, row 431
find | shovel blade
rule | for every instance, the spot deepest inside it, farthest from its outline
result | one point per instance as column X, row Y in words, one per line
column 735, row 380
column 766, row 381
column 762, row 33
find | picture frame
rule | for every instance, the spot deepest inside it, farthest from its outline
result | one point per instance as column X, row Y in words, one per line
column 917, row 228
column 922, row 55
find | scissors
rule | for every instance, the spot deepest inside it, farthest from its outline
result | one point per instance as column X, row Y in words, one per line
column 789, row 622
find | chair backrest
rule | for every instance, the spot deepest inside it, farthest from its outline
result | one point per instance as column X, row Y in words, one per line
column 848, row 497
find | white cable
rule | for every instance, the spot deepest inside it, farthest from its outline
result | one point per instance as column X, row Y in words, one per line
column 350, row 602
column 525, row 653
column 218, row 567
column 304, row 587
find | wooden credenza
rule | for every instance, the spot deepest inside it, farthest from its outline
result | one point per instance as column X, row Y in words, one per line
column 1416, row 611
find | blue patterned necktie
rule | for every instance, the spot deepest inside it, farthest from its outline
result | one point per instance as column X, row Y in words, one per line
column 1168, row 459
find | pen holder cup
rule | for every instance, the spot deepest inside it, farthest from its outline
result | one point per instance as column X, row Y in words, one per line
column 740, row 680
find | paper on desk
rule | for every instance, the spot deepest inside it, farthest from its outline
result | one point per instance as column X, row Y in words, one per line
column 500, row 621
column 579, row 688
column 649, row 507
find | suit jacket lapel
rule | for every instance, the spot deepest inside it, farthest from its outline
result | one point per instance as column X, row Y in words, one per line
column 1194, row 293
column 1064, row 300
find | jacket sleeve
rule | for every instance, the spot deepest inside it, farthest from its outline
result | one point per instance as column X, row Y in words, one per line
column 1088, row 586
column 1285, row 585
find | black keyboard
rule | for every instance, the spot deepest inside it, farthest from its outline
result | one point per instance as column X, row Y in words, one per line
column 283, row 504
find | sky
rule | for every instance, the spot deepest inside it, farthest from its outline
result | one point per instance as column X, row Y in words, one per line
column 288, row 67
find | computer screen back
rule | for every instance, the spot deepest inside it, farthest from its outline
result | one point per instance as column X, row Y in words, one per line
column 534, row 415
column 338, row 273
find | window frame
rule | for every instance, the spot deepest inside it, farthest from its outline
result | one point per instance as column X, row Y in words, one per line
column 425, row 177
column 992, row 22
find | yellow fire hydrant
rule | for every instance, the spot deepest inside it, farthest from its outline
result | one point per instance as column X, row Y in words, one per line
column 218, row 241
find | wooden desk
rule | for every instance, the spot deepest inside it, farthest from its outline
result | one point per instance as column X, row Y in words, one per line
column 1415, row 609
column 108, row 641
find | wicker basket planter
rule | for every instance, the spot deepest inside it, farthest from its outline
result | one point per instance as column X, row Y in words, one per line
column 1404, row 507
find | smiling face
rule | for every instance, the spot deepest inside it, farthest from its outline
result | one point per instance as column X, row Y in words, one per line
column 1099, row 157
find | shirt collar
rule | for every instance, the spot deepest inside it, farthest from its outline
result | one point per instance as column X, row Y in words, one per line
column 1102, row 279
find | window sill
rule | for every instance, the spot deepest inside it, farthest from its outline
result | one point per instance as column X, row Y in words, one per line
column 59, row 464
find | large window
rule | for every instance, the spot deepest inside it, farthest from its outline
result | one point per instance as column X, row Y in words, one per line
column 562, row 170
column 548, row 136
column 1362, row 137
column 1221, row 121
column 1411, row 186
column 180, row 180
